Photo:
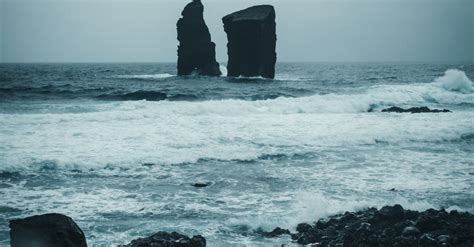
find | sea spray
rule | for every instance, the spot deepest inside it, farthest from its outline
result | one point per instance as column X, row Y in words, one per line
column 455, row 80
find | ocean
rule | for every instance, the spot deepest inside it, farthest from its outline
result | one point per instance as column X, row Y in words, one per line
column 118, row 147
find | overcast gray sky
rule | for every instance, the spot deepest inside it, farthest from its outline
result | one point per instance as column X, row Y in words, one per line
column 308, row 30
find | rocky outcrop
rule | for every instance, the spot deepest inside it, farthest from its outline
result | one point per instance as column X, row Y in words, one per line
column 423, row 109
column 276, row 232
column 390, row 226
column 48, row 230
column 57, row 230
column 251, row 34
column 166, row 239
column 196, row 51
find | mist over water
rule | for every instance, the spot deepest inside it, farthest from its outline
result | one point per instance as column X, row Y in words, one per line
column 118, row 146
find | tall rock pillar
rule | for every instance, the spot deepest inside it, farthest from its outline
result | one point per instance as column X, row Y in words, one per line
column 251, row 35
column 196, row 51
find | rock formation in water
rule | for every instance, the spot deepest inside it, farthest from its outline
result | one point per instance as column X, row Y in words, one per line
column 251, row 35
column 196, row 51
column 423, row 109
column 389, row 226
column 48, row 230
column 166, row 239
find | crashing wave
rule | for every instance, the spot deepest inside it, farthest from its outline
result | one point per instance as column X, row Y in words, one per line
column 455, row 80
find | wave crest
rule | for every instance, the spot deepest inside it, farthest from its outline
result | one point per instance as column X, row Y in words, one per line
column 455, row 80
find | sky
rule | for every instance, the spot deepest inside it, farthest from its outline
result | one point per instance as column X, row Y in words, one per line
column 307, row 30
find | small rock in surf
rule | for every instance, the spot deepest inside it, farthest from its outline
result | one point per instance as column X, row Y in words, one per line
column 423, row 109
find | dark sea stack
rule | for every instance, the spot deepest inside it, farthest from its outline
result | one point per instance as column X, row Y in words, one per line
column 196, row 51
column 251, row 34
column 166, row 239
column 390, row 226
column 48, row 230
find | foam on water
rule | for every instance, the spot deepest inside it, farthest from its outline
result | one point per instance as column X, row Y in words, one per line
column 153, row 76
column 374, row 98
column 455, row 80
column 223, row 70
column 309, row 206
column 170, row 132
column 128, row 137
column 275, row 162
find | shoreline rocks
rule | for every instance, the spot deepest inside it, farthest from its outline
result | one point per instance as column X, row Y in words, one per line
column 389, row 226
column 166, row 239
column 423, row 109
column 251, row 35
column 196, row 51
column 57, row 230
column 48, row 230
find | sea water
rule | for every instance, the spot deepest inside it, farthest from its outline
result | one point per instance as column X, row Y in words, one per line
column 118, row 147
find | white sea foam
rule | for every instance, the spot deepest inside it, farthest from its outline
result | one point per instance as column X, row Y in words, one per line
column 356, row 158
column 310, row 206
column 174, row 132
column 455, row 80
column 419, row 94
column 315, row 205
column 140, row 132
column 152, row 76
column 288, row 77
column 223, row 70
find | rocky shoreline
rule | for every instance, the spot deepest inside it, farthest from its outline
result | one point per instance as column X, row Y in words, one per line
column 389, row 226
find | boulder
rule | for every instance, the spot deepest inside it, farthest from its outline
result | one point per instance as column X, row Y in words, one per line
column 251, row 35
column 196, row 51
column 48, row 230
column 166, row 239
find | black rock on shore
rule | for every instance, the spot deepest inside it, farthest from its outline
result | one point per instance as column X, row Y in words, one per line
column 48, row 230
column 390, row 226
column 57, row 230
column 166, row 239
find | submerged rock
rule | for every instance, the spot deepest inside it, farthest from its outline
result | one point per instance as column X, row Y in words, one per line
column 196, row 51
column 390, row 226
column 276, row 232
column 48, row 230
column 166, row 239
column 201, row 185
column 423, row 109
column 251, row 35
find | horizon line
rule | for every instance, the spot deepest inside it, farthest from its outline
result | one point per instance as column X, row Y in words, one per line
column 220, row 63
